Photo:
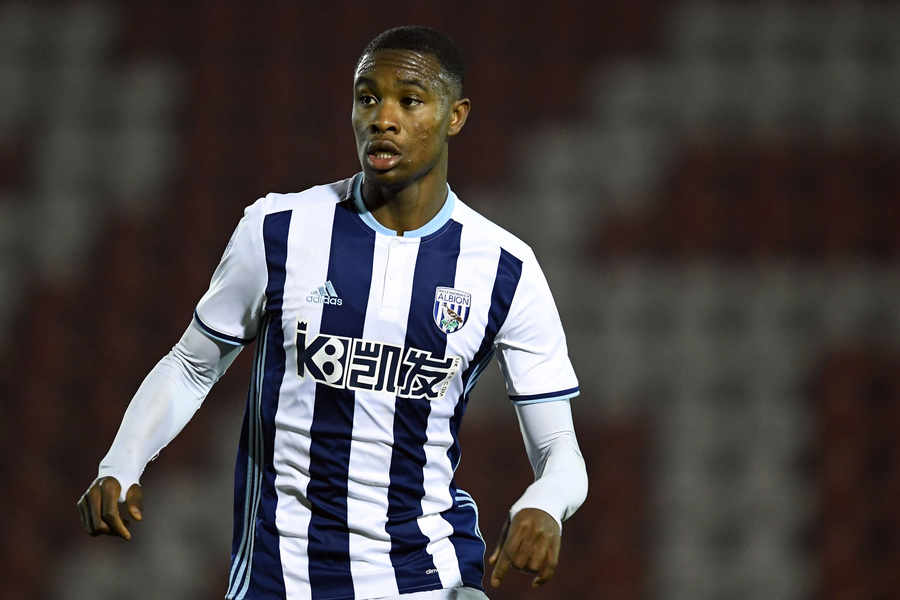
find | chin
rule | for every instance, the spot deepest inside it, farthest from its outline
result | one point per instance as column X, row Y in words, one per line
column 392, row 178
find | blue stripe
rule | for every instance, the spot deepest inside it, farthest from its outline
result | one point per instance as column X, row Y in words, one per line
column 247, row 479
column 506, row 281
column 243, row 476
column 475, row 375
column 240, row 576
column 558, row 395
column 266, row 578
column 218, row 335
column 413, row 565
column 350, row 272
column 466, row 537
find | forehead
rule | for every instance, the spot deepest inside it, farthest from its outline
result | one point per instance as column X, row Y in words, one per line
column 399, row 65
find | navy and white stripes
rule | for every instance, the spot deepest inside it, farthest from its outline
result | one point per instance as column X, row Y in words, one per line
column 344, row 481
column 251, row 478
column 414, row 567
column 350, row 272
column 258, row 548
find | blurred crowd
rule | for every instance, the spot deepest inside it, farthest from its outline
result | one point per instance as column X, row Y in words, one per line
column 711, row 187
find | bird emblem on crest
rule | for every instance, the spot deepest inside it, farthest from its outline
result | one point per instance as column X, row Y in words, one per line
column 451, row 308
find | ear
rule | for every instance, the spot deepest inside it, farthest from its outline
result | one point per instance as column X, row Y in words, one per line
column 459, row 112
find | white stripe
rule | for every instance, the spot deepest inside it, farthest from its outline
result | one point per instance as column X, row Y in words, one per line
column 260, row 458
column 309, row 237
column 249, row 480
column 475, row 508
column 245, row 551
column 464, row 498
column 373, row 424
column 475, row 274
column 477, row 372
column 252, row 480
column 441, row 549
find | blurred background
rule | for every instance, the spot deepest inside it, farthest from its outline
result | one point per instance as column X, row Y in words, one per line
column 712, row 188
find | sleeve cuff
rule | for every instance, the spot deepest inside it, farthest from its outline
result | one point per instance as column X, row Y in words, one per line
column 527, row 502
column 125, row 481
column 546, row 397
column 218, row 335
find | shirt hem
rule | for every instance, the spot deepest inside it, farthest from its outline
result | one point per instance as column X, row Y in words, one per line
column 469, row 584
column 218, row 335
column 546, row 397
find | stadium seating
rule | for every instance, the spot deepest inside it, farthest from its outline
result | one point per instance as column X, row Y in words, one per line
column 711, row 188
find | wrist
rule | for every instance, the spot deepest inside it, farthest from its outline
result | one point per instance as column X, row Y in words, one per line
column 533, row 499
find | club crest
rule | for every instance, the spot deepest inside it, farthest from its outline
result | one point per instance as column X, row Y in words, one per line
column 451, row 308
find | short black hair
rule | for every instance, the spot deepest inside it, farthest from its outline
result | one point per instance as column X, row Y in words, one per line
column 426, row 40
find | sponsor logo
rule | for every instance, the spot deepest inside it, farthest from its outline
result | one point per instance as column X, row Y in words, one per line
column 325, row 294
column 366, row 365
column 451, row 308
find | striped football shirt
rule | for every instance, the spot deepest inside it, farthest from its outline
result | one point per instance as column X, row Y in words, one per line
column 367, row 347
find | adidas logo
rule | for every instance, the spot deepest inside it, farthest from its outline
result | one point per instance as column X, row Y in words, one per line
column 326, row 294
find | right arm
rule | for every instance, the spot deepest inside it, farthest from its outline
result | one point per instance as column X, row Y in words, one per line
column 164, row 403
column 226, row 318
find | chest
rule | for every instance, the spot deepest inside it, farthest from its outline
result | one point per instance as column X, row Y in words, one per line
column 385, row 314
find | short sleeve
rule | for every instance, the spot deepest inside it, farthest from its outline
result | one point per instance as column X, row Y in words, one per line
column 230, row 309
column 534, row 357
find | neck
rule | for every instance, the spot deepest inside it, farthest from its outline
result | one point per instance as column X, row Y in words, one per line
column 411, row 206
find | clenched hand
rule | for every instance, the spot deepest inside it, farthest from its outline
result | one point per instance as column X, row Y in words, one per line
column 99, row 508
column 530, row 543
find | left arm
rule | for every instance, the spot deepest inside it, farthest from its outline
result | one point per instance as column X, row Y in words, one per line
column 540, row 381
column 531, row 537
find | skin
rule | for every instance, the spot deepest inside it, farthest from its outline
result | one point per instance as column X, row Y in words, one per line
column 101, row 512
column 404, row 97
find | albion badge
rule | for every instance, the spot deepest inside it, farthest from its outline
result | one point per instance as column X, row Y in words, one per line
column 451, row 308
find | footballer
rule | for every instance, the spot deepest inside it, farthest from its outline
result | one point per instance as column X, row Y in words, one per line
column 375, row 304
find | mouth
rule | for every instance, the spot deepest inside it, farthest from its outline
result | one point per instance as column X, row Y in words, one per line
column 382, row 155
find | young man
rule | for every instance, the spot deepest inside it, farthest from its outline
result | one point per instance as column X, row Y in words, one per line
column 376, row 303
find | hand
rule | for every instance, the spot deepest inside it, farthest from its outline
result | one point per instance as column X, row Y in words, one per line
column 530, row 543
column 99, row 508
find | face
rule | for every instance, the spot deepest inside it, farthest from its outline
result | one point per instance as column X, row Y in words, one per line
column 404, row 110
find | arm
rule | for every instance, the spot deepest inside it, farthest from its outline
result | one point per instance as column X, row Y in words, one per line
column 225, row 318
column 531, row 537
column 560, row 485
column 164, row 403
column 540, row 381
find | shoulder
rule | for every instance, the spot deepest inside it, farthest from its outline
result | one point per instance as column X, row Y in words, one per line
column 307, row 201
column 483, row 231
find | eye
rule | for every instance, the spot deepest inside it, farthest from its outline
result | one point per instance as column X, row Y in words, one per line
column 411, row 101
column 366, row 99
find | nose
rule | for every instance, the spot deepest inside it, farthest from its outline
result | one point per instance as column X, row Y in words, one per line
column 385, row 119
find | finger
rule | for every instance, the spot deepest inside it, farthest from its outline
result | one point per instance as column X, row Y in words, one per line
column 518, row 547
column 546, row 573
column 94, row 505
column 110, row 511
column 501, row 540
column 550, row 564
column 537, row 558
column 82, row 514
column 134, row 500
column 500, row 569
column 505, row 558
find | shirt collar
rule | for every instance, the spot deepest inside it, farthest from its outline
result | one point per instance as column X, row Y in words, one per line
column 436, row 222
